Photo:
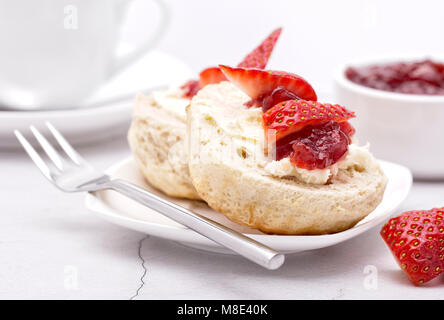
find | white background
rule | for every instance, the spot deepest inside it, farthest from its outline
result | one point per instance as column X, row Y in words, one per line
column 317, row 35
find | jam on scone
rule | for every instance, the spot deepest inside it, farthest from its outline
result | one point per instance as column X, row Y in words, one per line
column 313, row 135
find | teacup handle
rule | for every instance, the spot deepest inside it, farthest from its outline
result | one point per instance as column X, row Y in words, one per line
column 127, row 59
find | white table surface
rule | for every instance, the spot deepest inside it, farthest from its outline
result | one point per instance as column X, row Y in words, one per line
column 51, row 247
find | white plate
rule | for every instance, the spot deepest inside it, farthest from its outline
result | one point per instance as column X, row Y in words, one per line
column 120, row 210
column 108, row 112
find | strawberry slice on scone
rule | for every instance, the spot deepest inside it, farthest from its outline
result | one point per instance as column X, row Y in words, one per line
column 314, row 135
column 416, row 239
column 258, row 58
column 292, row 115
column 211, row 75
column 260, row 85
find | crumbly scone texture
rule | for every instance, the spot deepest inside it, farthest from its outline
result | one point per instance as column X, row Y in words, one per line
column 242, row 192
column 156, row 138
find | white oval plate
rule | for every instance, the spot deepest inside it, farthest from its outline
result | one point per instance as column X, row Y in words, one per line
column 123, row 211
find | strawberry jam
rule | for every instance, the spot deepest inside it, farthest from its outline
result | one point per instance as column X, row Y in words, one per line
column 418, row 77
column 316, row 146
column 190, row 88
column 267, row 101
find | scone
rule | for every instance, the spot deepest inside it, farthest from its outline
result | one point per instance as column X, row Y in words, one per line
column 156, row 138
column 158, row 128
column 287, row 182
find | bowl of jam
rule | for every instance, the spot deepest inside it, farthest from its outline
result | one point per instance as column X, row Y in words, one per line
column 422, row 77
column 400, row 108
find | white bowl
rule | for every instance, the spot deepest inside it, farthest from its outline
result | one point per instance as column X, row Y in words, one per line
column 403, row 128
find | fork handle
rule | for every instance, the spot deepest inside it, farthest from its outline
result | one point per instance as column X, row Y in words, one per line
column 233, row 240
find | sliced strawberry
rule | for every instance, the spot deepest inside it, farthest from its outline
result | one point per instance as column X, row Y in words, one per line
column 211, row 75
column 190, row 88
column 312, row 134
column 416, row 239
column 258, row 84
column 292, row 115
column 258, row 58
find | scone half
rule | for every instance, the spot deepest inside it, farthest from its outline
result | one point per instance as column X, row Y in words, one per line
column 230, row 172
column 156, row 138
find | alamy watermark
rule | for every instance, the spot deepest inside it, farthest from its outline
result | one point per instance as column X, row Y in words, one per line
column 71, row 278
column 71, row 17
column 371, row 277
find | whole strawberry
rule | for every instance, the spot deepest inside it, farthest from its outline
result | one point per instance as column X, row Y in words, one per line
column 416, row 239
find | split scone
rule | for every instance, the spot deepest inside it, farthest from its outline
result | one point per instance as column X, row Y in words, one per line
column 156, row 138
column 301, row 175
column 158, row 129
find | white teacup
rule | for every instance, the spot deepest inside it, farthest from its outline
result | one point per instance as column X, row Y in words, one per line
column 55, row 53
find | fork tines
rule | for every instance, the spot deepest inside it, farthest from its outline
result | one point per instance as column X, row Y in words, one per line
column 57, row 160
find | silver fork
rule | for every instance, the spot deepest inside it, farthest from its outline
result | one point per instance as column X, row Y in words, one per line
column 71, row 173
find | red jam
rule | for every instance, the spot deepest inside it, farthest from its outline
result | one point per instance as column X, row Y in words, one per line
column 316, row 146
column 267, row 101
column 190, row 88
column 418, row 77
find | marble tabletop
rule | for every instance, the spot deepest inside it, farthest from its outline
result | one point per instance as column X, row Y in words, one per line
column 51, row 247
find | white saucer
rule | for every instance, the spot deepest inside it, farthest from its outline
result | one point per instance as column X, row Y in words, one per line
column 120, row 210
column 108, row 112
